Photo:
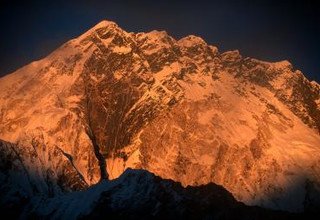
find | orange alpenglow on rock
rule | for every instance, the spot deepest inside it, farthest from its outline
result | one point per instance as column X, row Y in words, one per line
column 111, row 100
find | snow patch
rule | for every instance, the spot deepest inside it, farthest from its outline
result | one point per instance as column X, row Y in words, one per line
column 121, row 50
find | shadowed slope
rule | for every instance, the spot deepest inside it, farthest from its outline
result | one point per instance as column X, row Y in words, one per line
column 138, row 194
column 28, row 192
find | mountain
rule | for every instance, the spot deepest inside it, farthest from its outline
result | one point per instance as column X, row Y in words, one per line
column 109, row 100
column 139, row 194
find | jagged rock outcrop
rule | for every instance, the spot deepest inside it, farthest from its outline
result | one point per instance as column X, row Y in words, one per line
column 109, row 100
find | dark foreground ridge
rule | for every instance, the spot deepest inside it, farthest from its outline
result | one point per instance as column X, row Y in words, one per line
column 137, row 194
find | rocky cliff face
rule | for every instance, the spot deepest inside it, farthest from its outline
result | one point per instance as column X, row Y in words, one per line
column 109, row 100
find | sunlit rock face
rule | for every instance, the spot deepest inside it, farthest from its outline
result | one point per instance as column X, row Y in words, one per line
column 109, row 100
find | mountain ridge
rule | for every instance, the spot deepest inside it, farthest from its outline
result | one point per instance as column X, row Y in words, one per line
column 109, row 100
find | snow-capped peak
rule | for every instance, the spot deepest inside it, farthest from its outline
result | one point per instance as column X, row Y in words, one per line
column 103, row 24
column 109, row 100
column 190, row 41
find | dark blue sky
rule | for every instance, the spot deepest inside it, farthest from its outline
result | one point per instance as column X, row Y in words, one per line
column 268, row 30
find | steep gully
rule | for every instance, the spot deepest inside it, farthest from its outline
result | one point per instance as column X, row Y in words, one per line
column 96, row 148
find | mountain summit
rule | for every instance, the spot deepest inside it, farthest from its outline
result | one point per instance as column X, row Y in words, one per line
column 111, row 100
